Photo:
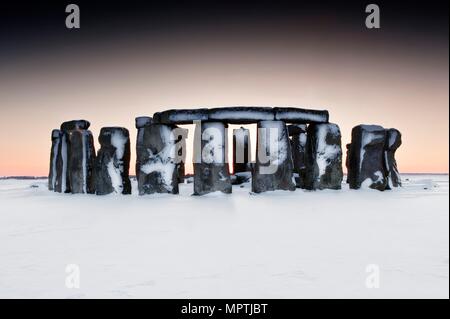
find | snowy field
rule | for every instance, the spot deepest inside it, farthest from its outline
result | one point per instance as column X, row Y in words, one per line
column 273, row 245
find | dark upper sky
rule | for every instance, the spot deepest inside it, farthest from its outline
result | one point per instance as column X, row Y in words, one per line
column 23, row 25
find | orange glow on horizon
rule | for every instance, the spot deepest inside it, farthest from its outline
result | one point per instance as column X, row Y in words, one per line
column 392, row 88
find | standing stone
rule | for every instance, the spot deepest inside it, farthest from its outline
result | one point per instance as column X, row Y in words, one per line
column 181, row 135
column 62, row 184
column 75, row 125
column 273, row 169
column 298, row 148
column 393, row 142
column 56, row 140
column 63, row 168
column 81, row 157
column 323, row 157
column 241, row 150
column 113, row 162
column 366, row 164
column 156, row 160
column 347, row 159
column 141, row 122
column 211, row 171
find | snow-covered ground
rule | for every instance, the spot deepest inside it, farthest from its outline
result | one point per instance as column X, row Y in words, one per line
column 273, row 245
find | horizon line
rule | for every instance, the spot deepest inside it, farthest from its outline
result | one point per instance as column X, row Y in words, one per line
column 44, row 177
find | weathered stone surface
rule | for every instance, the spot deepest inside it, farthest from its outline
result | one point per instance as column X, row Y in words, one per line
column 298, row 148
column 347, row 159
column 181, row 135
column 81, row 157
column 295, row 129
column 241, row 114
column 366, row 163
column 241, row 150
column 211, row 172
column 62, row 184
column 393, row 142
column 300, row 116
column 142, row 121
column 323, row 157
column 75, row 125
column 52, row 174
column 157, row 160
column 180, row 116
column 67, row 157
column 273, row 169
column 113, row 162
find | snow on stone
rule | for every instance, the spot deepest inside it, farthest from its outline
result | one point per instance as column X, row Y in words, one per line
column 242, row 114
column 369, row 134
column 392, row 138
column 64, row 163
column 325, row 152
column 213, row 150
column 181, row 116
column 115, row 165
column 300, row 115
column 55, row 158
column 116, row 177
column 303, row 139
column 119, row 140
column 142, row 121
column 389, row 177
column 164, row 169
column 368, row 181
column 164, row 161
column 84, row 163
column 270, row 134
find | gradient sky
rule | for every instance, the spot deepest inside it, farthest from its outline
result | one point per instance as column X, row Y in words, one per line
column 139, row 59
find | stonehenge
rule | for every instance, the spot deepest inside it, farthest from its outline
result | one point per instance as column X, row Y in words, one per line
column 370, row 158
column 366, row 160
column 323, row 160
column 140, row 123
column 72, row 161
column 295, row 148
column 80, row 160
column 182, row 135
column 273, row 169
column 178, row 117
column 157, row 160
column 61, row 181
column 113, row 162
column 300, row 116
column 211, row 172
column 393, row 142
column 297, row 133
column 241, row 115
column 56, row 140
